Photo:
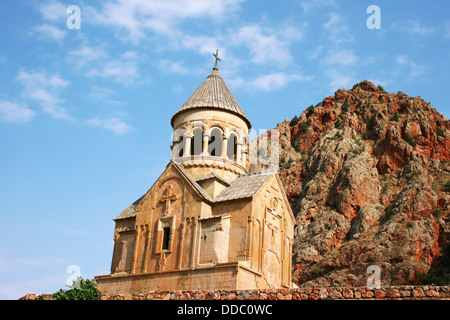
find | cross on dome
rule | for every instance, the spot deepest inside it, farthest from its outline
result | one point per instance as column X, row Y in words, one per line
column 216, row 55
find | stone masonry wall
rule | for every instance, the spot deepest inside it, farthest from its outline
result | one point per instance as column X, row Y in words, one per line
column 332, row 293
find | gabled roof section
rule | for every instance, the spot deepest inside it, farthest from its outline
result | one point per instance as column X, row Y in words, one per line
column 129, row 212
column 213, row 93
column 245, row 186
column 213, row 176
column 193, row 182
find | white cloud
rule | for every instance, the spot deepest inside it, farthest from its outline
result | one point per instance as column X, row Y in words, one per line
column 412, row 67
column 203, row 44
column 173, row 66
column 266, row 46
column 130, row 55
column 116, row 125
column 124, row 72
column 47, row 31
column 315, row 53
column 53, row 10
column 95, row 61
column 45, row 90
column 338, row 79
column 341, row 57
column 37, row 79
column 150, row 19
column 158, row 16
column 86, row 54
column 269, row 82
column 103, row 94
column 414, row 27
column 337, row 30
column 178, row 67
column 13, row 112
column 338, row 62
column 313, row 4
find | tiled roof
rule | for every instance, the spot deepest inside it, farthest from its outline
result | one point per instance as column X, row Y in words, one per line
column 245, row 186
column 129, row 212
column 213, row 93
column 212, row 175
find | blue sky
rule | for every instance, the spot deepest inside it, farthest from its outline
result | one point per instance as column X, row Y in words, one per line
column 85, row 113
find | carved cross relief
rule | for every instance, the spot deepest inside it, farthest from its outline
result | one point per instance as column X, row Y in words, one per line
column 166, row 199
column 273, row 221
column 162, row 261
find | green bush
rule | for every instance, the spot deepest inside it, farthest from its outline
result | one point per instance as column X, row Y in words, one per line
column 345, row 106
column 80, row 290
column 421, row 277
column 294, row 121
column 380, row 88
column 304, row 126
column 440, row 132
column 410, row 140
column 396, row 116
column 447, row 186
column 318, row 271
column 310, row 110
column 369, row 122
column 337, row 123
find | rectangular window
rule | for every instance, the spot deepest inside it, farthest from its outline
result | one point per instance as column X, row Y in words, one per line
column 166, row 238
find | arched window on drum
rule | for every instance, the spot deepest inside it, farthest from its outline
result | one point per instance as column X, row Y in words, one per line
column 232, row 147
column 215, row 143
column 197, row 142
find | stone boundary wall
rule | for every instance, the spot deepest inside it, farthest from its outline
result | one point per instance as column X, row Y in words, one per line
column 331, row 293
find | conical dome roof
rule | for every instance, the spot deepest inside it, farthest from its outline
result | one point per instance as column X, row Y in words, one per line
column 213, row 93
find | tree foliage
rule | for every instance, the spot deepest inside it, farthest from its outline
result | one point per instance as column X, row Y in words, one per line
column 294, row 121
column 80, row 290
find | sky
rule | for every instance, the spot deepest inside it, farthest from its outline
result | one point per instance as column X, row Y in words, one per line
column 88, row 88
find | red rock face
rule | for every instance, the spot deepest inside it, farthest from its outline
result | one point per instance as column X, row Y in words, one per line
column 365, row 171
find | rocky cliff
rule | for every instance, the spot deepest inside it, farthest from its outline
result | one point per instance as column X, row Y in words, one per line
column 368, row 176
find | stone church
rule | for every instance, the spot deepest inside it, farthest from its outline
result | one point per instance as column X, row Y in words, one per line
column 206, row 223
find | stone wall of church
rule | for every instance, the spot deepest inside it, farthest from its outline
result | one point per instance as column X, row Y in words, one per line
column 271, row 235
column 124, row 239
column 223, row 276
column 239, row 211
column 176, row 232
